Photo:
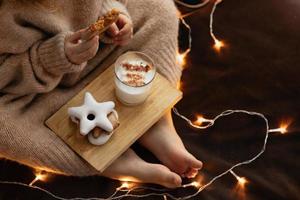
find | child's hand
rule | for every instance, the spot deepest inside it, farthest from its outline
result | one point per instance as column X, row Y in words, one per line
column 122, row 30
column 78, row 50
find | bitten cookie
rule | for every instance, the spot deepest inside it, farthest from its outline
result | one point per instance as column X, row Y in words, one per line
column 103, row 23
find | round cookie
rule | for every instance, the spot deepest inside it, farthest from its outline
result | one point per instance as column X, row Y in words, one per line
column 99, row 136
column 91, row 115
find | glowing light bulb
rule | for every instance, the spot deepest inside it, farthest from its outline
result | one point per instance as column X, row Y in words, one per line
column 40, row 176
column 242, row 181
column 124, row 186
column 200, row 120
column 218, row 44
column 181, row 59
column 282, row 129
column 196, row 184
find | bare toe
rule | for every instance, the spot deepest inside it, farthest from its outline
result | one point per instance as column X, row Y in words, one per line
column 163, row 140
column 194, row 162
column 192, row 173
column 160, row 174
column 130, row 167
column 191, row 165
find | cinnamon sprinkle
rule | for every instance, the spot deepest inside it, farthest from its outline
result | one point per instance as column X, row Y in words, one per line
column 138, row 68
column 135, row 73
column 135, row 83
column 134, row 76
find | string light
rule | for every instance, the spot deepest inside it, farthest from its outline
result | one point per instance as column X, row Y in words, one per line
column 39, row 176
column 181, row 59
column 192, row 184
column 196, row 184
column 241, row 180
column 190, row 39
column 200, row 120
column 124, row 186
column 200, row 123
column 282, row 129
column 218, row 44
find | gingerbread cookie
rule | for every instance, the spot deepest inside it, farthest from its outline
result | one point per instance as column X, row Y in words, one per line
column 98, row 136
column 103, row 23
column 97, row 120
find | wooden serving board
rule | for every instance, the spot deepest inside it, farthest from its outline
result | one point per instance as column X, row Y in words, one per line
column 134, row 121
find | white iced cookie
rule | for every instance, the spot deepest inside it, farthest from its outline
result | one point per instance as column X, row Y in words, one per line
column 91, row 115
column 100, row 137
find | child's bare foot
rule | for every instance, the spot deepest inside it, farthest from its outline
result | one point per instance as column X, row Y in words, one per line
column 130, row 167
column 163, row 140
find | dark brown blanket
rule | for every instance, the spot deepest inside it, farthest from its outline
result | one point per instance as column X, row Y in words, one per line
column 257, row 71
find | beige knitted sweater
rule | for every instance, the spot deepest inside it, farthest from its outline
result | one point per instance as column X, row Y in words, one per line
column 36, row 78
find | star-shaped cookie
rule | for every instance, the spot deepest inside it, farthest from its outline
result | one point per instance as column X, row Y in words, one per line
column 92, row 114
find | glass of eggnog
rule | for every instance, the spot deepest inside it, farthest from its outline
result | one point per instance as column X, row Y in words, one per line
column 134, row 75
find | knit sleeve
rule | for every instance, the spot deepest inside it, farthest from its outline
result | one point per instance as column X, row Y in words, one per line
column 109, row 5
column 31, row 63
column 37, row 70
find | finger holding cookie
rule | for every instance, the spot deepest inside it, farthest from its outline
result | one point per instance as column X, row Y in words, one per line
column 113, row 30
column 88, row 34
column 114, row 24
column 79, row 50
column 125, row 33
